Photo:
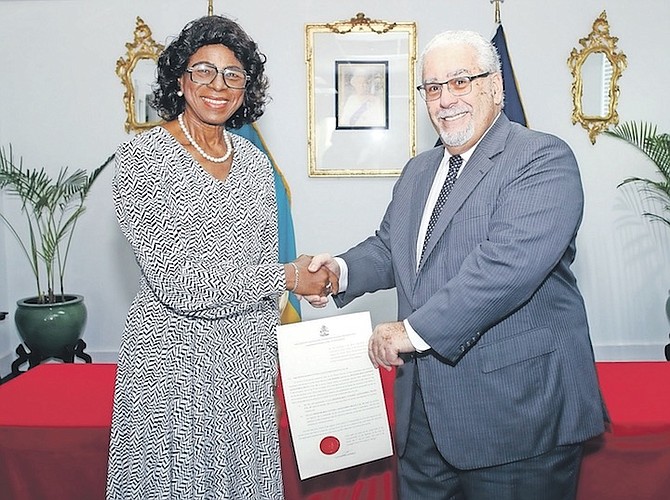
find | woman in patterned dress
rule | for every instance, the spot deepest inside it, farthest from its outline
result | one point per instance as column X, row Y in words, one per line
column 194, row 414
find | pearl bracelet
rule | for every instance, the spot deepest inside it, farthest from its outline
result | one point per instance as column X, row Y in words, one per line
column 297, row 277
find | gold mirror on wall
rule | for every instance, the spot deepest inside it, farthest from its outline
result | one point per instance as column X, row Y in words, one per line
column 596, row 69
column 138, row 73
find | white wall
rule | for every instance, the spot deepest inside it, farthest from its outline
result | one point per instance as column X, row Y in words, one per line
column 69, row 111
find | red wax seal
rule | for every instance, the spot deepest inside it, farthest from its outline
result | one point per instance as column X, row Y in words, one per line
column 329, row 445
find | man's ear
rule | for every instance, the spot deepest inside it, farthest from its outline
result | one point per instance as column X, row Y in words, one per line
column 497, row 88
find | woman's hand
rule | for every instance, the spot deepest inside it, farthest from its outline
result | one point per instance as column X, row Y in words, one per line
column 302, row 281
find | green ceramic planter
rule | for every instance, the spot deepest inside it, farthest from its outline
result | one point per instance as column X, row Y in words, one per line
column 49, row 328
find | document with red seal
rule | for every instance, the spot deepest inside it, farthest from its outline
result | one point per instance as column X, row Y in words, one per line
column 334, row 398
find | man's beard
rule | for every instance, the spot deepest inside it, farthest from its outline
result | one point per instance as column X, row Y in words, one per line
column 454, row 139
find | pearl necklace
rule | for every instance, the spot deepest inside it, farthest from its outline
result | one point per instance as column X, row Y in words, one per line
column 196, row 146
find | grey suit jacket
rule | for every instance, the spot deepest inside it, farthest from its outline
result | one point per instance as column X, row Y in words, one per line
column 511, row 372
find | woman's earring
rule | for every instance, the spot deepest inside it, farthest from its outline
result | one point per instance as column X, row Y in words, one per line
column 180, row 93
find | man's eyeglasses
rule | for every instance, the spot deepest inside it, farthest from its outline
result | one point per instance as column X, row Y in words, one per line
column 458, row 86
column 205, row 73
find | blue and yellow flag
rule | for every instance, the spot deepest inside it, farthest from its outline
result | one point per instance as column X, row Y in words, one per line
column 513, row 107
column 287, row 253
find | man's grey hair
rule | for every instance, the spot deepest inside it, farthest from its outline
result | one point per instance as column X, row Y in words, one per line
column 488, row 58
column 487, row 55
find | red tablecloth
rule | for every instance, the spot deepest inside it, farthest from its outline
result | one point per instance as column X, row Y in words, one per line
column 54, row 435
column 632, row 460
column 637, row 395
column 54, row 432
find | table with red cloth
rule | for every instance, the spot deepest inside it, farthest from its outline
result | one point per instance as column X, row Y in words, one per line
column 631, row 461
column 54, row 436
column 55, row 418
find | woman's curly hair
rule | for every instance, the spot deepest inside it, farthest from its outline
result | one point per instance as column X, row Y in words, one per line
column 211, row 30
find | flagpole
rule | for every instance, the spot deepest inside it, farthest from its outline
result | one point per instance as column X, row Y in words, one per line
column 210, row 8
column 497, row 10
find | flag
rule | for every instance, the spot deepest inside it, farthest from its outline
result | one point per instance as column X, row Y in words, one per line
column 287, row 253
column 513, row 107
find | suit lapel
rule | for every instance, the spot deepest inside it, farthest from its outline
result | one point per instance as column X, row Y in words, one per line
column 479, row 164
column 422, row 181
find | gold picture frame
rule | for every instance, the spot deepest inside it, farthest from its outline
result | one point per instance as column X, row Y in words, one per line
column 383, row 137
column 596, row 69
column 138, row 73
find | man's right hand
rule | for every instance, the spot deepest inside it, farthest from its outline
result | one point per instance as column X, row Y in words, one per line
column 319, row 261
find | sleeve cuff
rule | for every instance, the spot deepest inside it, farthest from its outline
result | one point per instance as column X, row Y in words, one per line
column 344, row 274
column 419, row 344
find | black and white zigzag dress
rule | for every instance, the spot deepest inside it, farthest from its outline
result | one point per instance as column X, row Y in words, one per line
column 194, row 414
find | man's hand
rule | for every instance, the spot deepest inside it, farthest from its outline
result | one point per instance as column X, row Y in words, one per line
column 326, row 261
column 319, row 282
column 388, row 340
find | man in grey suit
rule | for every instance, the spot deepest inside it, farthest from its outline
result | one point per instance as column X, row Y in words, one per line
column 496, row 388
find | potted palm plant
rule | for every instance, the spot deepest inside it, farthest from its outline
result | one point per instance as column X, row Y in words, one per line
column 656, row 147
column 51, row 320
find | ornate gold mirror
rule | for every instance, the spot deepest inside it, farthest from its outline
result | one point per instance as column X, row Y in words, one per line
column 138, row 73
column 596, row 69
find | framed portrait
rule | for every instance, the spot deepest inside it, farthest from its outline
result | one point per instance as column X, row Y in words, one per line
column 361, row 97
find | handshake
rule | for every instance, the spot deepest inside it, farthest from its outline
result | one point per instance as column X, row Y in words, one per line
column 313, row 278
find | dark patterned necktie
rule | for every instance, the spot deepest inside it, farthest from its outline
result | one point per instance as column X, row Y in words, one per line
column 455, row 163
